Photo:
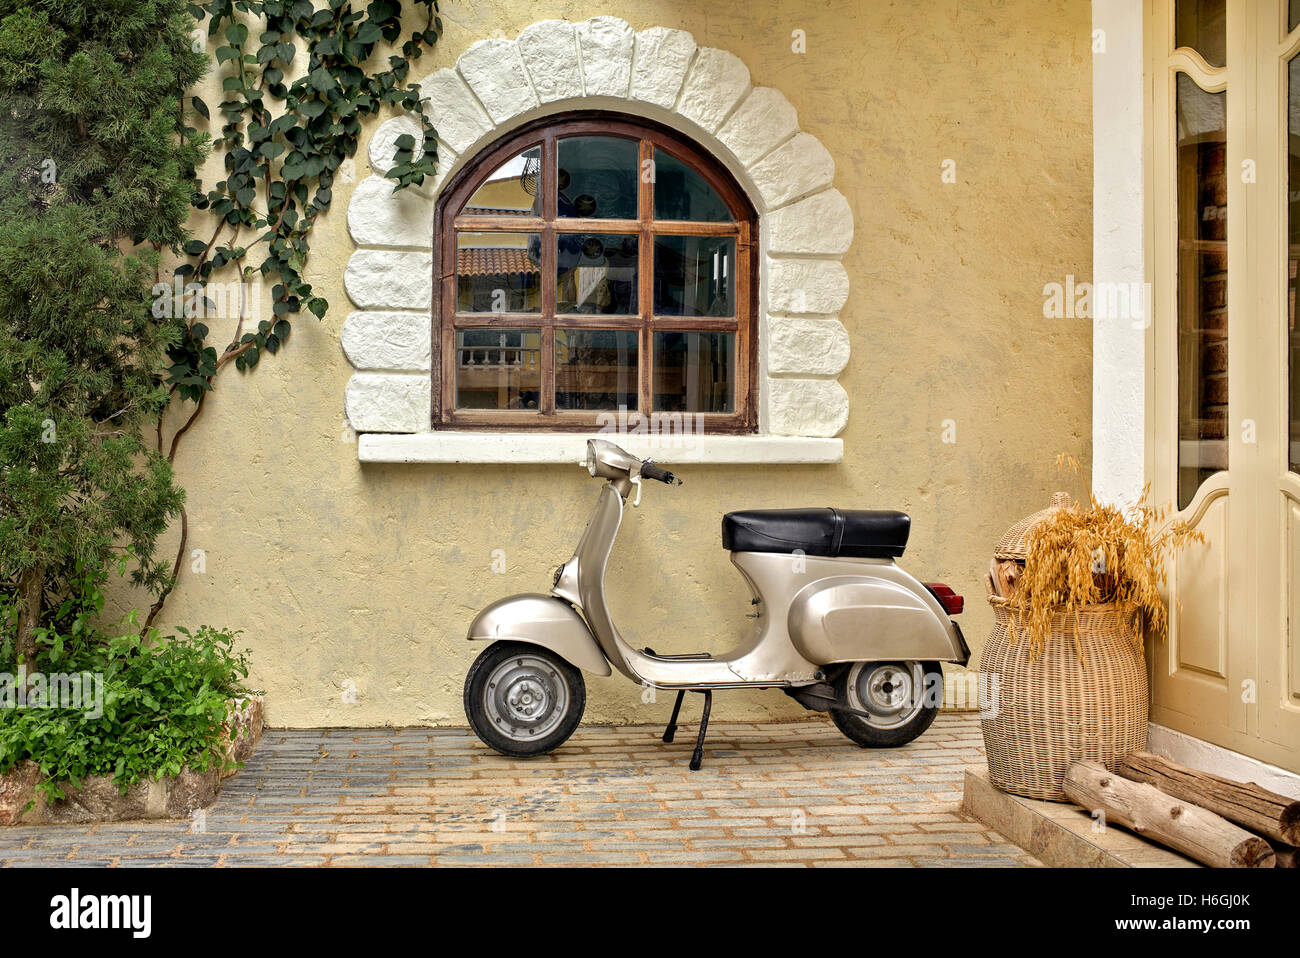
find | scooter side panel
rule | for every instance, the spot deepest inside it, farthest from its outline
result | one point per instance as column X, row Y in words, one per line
column 872, row 617
column 541, row 620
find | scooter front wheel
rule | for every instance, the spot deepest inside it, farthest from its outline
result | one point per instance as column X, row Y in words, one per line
column 523, row 699
column 900, row 700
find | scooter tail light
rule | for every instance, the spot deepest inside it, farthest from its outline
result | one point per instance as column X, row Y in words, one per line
column 952, row 603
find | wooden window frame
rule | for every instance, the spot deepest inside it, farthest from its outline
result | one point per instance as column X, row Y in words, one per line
column 545, row 133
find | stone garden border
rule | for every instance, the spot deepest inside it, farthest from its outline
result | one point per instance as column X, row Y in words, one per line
column 554, row 66
column 100, row 800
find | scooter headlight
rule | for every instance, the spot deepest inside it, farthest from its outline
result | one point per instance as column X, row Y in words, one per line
column 591, row 458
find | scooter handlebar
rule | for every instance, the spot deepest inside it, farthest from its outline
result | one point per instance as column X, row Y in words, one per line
column 650, row 471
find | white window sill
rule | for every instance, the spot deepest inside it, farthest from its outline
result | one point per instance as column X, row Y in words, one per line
column 568, row 448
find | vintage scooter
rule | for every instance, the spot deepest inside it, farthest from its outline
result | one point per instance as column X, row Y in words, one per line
column 838, row 626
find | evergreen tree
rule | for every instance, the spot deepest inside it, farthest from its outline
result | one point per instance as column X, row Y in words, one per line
column 96, row 180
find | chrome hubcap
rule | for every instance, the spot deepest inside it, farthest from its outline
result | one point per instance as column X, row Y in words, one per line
column 891, row 692
column 525, row 698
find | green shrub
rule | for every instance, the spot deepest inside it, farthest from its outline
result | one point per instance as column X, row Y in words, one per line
column 164, row 699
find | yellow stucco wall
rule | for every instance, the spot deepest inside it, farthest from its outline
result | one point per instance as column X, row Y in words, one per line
column 338, row 572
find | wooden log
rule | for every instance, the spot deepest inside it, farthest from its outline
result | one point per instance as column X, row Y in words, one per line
column 1286, row 856
column 1008, row 573
column 1184, row 827
column 1247, row 804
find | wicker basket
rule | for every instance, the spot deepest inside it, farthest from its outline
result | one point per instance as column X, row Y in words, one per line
column 1054, row 710
column 1014, row 543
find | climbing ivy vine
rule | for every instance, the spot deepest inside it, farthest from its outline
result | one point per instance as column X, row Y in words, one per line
column 298, row 79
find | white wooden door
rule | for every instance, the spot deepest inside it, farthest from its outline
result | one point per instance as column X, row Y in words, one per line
column 1220, row 346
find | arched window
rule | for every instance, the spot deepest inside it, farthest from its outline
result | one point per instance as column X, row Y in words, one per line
column 590, row 264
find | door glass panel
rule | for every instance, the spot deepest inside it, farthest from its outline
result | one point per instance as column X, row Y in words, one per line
column 513, row 189
column 1202, row 287
column 1293, row 15
column 695, row 276
column 498, row 272
column 595, row 368
column 681, row 193
column 694, row 372
column 597, row 177
column 1293, row 255
column 498, row 368
column 596, row 273
column 1201, row 25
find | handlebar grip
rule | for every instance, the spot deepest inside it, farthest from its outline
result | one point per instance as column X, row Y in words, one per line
column 650, row 471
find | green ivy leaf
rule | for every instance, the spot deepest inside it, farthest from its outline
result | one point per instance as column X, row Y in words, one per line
column 321, row 80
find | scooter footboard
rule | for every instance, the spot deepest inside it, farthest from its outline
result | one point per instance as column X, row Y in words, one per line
column 541, row 620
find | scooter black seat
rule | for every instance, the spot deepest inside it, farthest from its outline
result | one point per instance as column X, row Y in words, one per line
column 857, row 533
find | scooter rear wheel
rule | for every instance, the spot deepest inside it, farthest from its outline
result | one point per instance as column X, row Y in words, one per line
column 523, row 699
column 902, row 699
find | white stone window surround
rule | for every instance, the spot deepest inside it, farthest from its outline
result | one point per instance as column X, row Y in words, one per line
column 557, row 66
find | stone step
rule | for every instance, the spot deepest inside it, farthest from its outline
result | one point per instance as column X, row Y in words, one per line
column 1060, row 834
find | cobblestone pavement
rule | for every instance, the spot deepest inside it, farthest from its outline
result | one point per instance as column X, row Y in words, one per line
column 790, row 794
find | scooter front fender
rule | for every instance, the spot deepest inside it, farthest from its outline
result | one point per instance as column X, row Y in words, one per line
column 541, row 620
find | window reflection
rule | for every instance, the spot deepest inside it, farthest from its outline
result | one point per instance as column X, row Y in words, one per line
column 498, row 368
column 695, row 276
column 595, row 369
column 681, row 193
column 1202, row 25
column 596, row 273
column 694, row 372
column 513, row 189
column 1202, row 287
column 498, row 272
column 1293, row 257
column 597, row 177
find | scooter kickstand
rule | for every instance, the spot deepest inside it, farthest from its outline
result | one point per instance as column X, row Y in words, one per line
column 671, row 730
column 698, row 757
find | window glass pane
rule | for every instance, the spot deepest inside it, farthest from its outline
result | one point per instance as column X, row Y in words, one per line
column 694, row 372
column 498, row 272
column 695, row 276
column 513, row 189
column 1293, row 256
column 597, row 177
column 1201, row 25
column 596, row 273
column 1202, row 287
column 682, row 194
column 595, row 368
column 498, row 368
column 1293, row 15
